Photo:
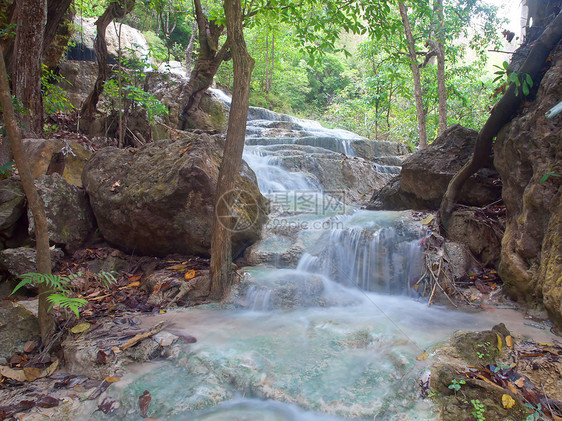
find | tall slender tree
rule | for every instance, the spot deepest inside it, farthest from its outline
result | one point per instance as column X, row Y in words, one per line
column 221, row 252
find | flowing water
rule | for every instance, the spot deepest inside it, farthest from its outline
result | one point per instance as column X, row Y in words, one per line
column 327, row 327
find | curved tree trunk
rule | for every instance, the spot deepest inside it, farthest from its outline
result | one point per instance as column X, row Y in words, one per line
column 500, row 115
column 416, row 74
column 221, row 253
column 26, row 74
column 115, row 10
column 206, row 66
column 46, row 320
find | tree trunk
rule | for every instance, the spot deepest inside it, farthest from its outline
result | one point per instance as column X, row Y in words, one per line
column 221, row 253
column 56, row 10
column 441, row 88
column 500, row 115
column 46, row 320
column 416, row 74
column 115, row 10
column 206, row 66
column 26, row 74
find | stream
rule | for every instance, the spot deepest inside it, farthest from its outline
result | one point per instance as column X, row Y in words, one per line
column 325, row 325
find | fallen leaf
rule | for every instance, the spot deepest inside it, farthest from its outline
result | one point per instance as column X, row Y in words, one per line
column 499, row 342
column 180, row 267
column 511, row 388
column 32, row 373
column 29, row 346
column 422, row 356
column 80, row 327
column 134, row 278
column 10, row 373
column 520, row 382
column 428, row 220
column 116, row 350
column 190, row 274
column 507, row 401
column 115, row 185
column 47, row 402
column 144, row 402
column 112, row 379
column 509, row 341
column 101, row 357
column 133, row 285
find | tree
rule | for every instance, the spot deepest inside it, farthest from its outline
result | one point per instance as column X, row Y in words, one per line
column 46, row 320
column 116, row 9
column 26, row 74
column 500, row 115
column 418, row 95
column 221, row 253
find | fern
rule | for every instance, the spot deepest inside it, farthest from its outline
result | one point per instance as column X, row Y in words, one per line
column 63, row 301
column 60, row 287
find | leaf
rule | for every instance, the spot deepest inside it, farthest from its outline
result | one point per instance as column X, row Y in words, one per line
column 529, row 80
column 112, row 379
column 509, row 341
column 190, row 274
column 180, row 267
column 10, row 373
column 423, row 356
column 32, row 373
column 428, row 220
column 525, row 89
column 499, row 342
column 80, row 327
column 507, row 401
column 520, row 382
column 144, row 402
column 133, row 284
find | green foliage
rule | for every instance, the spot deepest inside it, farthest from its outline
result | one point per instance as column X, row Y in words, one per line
column 537, row 414
column 136, row 96
column 478, row 411
column 60, row 287
column 523, row 81
column 55, row 99
column 7, row 169
column 456, row 384
column 548, row 174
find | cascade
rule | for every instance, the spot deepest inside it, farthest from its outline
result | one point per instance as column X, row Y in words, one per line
column 325, row 325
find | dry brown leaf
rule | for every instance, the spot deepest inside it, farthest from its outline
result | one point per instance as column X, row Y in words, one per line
column 484, row 379
column 134, row 278
column 10, row 373
column 520, row 382
column 511, row 388
column 32, row 373
column 509, row 341
column 423, row 356
column 428, row 220
column 133, row 284
column 190, row 274
column 112, row 379
column 180, row 267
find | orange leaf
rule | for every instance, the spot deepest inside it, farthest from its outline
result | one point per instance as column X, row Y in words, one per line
column 133, row 284
column 134, row 278
column 112, row 379
column 190, row 274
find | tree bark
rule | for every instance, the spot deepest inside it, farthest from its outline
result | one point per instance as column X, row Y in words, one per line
column 416, row 74
column 46, row 320
column 56, row 10
column 221, row 253
column 206, row 66
column 441, row 88
column 26, row 74
column 189, row 49
column 500, row 115
column 115, row 10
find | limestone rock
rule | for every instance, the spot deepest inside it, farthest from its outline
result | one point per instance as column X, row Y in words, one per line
column 22, row 260
column 17, row 326
column 40, row 152
column 426, row 174
column 481, row 235
column 528, row 156
column 159, row 199
column 80, row 78
column 69, row 217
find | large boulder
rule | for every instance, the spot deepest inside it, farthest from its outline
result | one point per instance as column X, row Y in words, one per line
column 79, row 79
column 69, row 217
column 20, row 260
column 158, row 199
column 426, row 174
column 40, row 151
column 17, row 326
column 528, row 156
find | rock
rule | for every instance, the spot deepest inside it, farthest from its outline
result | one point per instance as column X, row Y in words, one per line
column 426, row 174
column 40, row 152
column 12, row 204
column 17, row 326
column 377, row 149
column 528, row 153
column 22, row 260
column 158, row 200
column 460, row 260
column 133, row 42
column 80, row 78
column 174, row 67
column 69, row 217
column 482, row 235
